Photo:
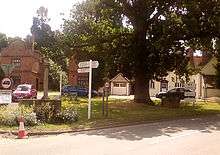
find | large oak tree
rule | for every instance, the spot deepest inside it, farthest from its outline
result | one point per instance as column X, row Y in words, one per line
column 143, row 38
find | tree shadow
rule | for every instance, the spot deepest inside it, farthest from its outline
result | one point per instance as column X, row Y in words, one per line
column 166, row 128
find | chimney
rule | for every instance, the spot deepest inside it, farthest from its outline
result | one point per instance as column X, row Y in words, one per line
column 205, row 57
column 190, row 53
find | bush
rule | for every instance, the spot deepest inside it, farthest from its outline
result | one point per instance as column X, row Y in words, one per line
column 29, row 115
column 45, row 109
column 66, row 116
column 9, row 115
column 44, row 112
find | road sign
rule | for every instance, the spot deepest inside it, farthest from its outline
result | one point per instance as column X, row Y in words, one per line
column 5, row 96
column 6, row 83
column 86, row 67
column 83, row 70
column 85, row 64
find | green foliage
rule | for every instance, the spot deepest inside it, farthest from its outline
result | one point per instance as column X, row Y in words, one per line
column 3, row 41
column 50, row 45
column 66, row 116
column 142, row 39
column 153, row 44
column 10, row 114
column 201, row 23
column 44, row 112
column 218, row 77
column 54, row 75
column 218, row 64
column 68, row 112
column 94, row 32
column 2, row 74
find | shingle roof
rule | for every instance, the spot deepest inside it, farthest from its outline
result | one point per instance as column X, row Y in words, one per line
column 209, row 68
column 120, row 78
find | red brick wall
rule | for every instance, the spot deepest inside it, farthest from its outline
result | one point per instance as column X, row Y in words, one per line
column 31, row 63
column 72, row 69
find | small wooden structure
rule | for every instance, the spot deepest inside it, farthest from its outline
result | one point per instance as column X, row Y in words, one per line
column 120, row 85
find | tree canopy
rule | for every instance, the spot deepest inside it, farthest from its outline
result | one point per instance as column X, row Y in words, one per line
column 152, row 43
column 3, row 41
column 144, row 39
column 49, row 44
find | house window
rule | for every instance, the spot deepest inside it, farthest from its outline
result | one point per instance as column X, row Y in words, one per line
column 152, row 84
column 16, row 62
column 122, row 84
column 119, row 84
column 116, row 85
column 178, row 84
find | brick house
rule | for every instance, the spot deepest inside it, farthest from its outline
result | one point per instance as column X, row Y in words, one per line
column 75, row 78
column 27, row 64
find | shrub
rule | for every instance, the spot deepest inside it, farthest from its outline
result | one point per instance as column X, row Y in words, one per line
column 45, row 109
column 66, row 116
column 29, row 115
column 9, row 115
column 44, row 112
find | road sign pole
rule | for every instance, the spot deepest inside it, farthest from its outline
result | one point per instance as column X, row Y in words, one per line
column 86, row 67
column 61, row 84
column 90, row 89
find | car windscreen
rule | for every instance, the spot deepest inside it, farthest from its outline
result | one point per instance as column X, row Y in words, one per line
column 22, row 88
column 172, row 90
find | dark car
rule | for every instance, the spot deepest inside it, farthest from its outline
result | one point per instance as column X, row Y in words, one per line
column 24, row 91
column 184, row 93
column 76, row 90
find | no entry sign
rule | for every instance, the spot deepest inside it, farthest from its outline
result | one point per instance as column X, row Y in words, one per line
column 6, row 83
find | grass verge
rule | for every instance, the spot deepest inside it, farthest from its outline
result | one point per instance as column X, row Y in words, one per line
column 122, row 112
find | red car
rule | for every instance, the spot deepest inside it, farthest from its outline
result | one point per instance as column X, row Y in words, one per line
column 24, row 91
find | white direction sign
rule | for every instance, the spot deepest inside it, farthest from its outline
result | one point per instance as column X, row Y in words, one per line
column 86, row 67
column 83, row 70
column 5, row 96
column 85, row 64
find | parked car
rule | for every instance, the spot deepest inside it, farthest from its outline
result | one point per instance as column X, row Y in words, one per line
column 76, row 90
column 184, row 93
column 24, row 91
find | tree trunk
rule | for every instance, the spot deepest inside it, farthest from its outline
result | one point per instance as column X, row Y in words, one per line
column 141, row 93
column 140, row 88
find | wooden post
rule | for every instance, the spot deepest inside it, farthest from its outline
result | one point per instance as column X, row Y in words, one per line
column 106, row 103
column 103, row 102
column 45, row 83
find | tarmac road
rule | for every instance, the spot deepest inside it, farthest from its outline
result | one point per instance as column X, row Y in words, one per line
column 199, row 136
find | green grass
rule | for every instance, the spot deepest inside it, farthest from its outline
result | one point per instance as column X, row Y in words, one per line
column 122, row 112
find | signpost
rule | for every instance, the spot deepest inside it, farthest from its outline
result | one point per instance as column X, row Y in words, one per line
column 86, row 67
column 61, row 83
column 6, row 83
column 86, row 64
column 5, row 96
column 105, row 102
column 83, row 70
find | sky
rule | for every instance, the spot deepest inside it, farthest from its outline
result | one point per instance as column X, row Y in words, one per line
column 16, row 15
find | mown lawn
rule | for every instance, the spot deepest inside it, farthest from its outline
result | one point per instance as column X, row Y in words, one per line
column 123, row 112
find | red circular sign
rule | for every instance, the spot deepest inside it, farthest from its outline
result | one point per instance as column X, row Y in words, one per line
column 6, row 83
